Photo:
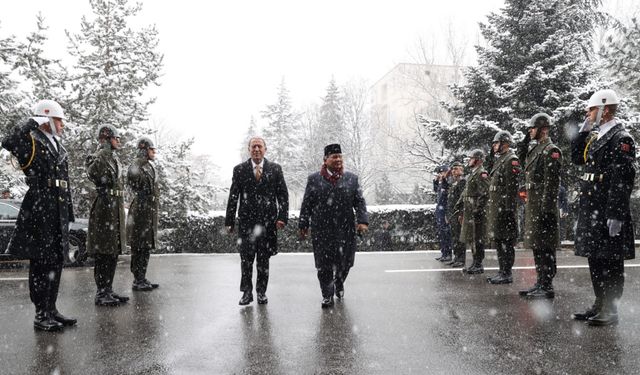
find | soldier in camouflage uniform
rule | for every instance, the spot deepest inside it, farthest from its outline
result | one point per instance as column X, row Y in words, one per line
column 142, row 223
column 106, row 236
column 456, row 188
column 472, row 204
column 543, row 161
column 502, row 226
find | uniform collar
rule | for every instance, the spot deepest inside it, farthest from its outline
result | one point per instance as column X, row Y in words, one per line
column 604, row 128
column 53, row 139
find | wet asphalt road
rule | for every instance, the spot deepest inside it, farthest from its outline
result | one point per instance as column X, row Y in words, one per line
column 413, row 320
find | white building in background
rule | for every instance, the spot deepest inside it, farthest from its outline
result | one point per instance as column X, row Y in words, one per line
column 398, row 97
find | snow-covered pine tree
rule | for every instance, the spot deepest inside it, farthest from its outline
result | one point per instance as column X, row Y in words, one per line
column 252, row 131
column 12, row 110
column 621, row 56
column 46, row 76
column 538, row 58
column 114, row 67
column 280, row 131
column 331, row 119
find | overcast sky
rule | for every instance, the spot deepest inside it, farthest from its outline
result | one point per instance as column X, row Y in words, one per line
column 225, row 60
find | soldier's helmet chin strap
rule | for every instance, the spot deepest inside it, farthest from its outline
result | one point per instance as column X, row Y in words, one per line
column 52, row 127
column 596, row 124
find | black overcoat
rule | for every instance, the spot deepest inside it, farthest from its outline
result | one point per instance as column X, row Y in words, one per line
column 611, row 160
column 42, row 227
column 332, row 213
column 259, row 205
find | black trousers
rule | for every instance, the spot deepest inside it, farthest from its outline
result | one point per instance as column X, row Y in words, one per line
column 332, row 278
column 247, row 257
column 139, row 262
column 607, row 278
column 44, row 283
column 545, row 259
column 506, row 255
column 478, row 252
column 104, row 271
column 459, row 248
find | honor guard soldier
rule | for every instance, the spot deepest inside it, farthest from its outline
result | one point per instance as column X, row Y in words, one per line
column 604, row 232
column 543, row 161
column 107, row 230
column 456, row 188
column 41, row 233
column 441, row 188
column 142, row 223
column 502, row 226
column 472, row 204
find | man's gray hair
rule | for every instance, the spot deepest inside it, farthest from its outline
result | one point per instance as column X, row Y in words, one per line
column 260, row 138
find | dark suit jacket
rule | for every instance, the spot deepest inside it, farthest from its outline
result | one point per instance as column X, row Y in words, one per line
column 261, row 204
column 332, row 212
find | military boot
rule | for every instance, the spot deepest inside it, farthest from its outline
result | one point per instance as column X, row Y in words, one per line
column 501, row 278
column 44, row 322
column 476, row 268
column 542, row 292
column 103, row 298
column 524, row 292
column 140, row 285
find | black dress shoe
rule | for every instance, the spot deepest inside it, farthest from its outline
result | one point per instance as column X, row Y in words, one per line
column 327, row 302
column 55, row 315
column 44, row 322
column 438, row 258
column 141, row 286
column 457, row 264
column 541, row 293
column 591, row 312
column 527, row 291
column 122, row 299
column 262, row 299
column 340, row 294
column 246, row 299
column 153, row 285
column 446, row 259
column 105, row 299
column 603, row 318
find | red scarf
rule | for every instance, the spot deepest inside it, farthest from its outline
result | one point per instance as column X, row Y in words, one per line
column 331, row 177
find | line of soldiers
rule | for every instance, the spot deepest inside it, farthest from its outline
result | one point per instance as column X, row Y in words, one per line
column 483, row 207
column 42, row 227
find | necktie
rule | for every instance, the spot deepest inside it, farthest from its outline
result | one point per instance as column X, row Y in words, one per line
column 258, row 173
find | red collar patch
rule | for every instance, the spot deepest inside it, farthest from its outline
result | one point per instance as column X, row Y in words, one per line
column 515, row 162
column 625, row 147
column 555, row 155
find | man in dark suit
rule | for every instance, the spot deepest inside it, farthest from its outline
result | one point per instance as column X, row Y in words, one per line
column 264, row 208
column 334, row 208
column 42, row 228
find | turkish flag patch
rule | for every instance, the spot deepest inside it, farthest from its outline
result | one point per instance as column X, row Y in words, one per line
column 484, row 174
column 625, row 147
column 555, row 155
column 515, row 162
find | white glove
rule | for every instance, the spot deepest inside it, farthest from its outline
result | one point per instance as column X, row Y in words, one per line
column 615, row 226
column 40, row 120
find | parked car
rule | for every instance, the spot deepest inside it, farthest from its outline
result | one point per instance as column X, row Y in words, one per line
column 77, row 254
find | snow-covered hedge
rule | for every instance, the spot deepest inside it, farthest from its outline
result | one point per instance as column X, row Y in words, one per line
column 408, row 227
